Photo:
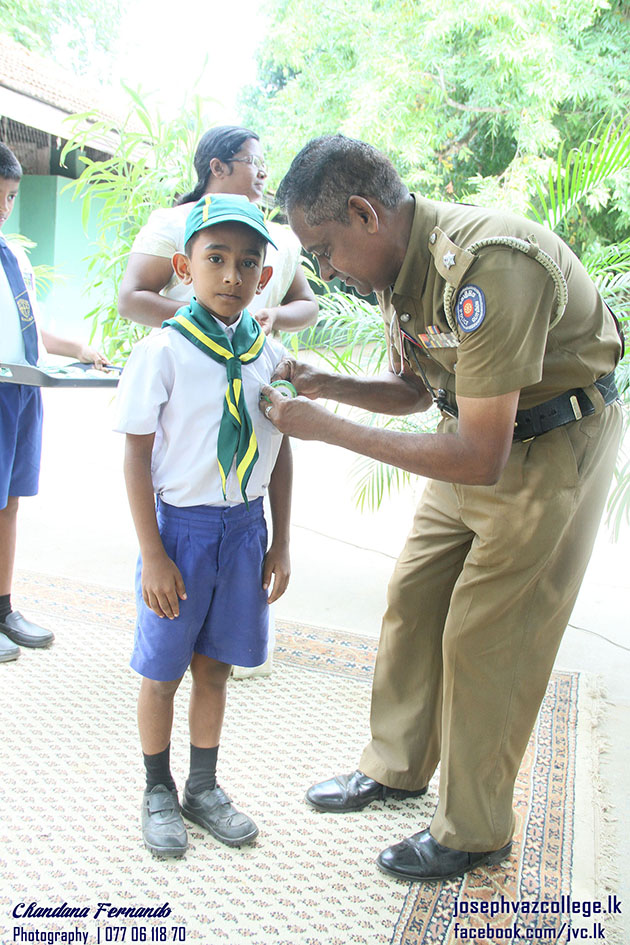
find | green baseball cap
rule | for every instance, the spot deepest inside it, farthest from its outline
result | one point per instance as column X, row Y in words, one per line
column 225, row 208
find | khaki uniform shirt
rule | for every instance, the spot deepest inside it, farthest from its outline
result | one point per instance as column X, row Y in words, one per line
column 503, row 340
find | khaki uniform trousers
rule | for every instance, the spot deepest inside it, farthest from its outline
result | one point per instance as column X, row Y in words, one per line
column 477, row 606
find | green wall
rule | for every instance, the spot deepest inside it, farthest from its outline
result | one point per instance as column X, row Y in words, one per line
column 50, row 218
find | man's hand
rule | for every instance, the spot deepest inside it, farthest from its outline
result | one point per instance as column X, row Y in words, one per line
column 162, row 585
column 276, row 565
column 306, row 379
column 295, row 416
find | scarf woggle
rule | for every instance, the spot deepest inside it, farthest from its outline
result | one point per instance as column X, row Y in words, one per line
column 237, row 439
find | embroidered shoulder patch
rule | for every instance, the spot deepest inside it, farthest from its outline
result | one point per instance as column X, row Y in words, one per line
column 470, row 310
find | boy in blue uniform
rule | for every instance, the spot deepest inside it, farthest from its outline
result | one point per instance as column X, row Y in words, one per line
column 187, row 401
column 20, row 409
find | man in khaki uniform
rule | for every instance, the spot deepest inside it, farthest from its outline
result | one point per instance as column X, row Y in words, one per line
column 519, row 356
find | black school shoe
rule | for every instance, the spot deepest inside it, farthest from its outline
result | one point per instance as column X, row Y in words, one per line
column 163, row 829
column 354, row 791
column 8, row 649
column 21, row 631
column 214, row 810
column 421, row 858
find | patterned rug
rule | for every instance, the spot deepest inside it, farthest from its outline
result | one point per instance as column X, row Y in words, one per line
column 72, row 783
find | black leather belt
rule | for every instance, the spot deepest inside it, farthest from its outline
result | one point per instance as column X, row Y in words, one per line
column 566, row 408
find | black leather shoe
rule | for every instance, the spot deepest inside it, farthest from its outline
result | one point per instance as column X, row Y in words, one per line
column 163, row 829
column 214, row 810
column 23, row 632
column 420, row 857
column 8, row 649
column 353, row 792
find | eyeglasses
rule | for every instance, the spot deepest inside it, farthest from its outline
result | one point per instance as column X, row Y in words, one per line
column 258, row 162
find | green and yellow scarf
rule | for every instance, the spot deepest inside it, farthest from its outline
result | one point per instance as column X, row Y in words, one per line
column 236, row 432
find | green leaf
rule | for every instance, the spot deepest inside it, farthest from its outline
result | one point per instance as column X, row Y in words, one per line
column 581, row 172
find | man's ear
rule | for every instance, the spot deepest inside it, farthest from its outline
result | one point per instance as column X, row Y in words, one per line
column 265, row 276
column 181, row 265
column 364, row 211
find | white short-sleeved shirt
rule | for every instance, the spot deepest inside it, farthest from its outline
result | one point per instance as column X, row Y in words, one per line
column 163, row 235
column 11, row 340
column 171, row 388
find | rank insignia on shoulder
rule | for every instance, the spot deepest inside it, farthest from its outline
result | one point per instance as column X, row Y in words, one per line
column 470, row 310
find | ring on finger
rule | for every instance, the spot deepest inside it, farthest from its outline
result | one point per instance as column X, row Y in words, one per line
column 268, row 409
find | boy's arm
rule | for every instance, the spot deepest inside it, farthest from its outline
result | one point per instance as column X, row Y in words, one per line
column 162, row 583
column 277, row 561
column 54, row 344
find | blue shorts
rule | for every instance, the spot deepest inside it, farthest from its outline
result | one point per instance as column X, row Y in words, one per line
column 225, row 616
column 20, row 440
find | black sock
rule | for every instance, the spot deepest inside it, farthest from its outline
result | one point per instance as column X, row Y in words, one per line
column 203, row 769
column 5, row 605
column 158, row 769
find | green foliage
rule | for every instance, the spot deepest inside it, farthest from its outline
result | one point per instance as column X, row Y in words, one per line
column 348, row 336
column 83, row 28
column 609, row 267
column 45, row 275
column 373, row 481
column 152, row 163
column 450, row 90
column 583, row 177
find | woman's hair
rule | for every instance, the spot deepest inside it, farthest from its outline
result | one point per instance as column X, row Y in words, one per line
column 329, row 170
column 9, row 165
column 223, row 143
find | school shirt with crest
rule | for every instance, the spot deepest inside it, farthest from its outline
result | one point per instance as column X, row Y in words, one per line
column 11, row 340
column 171, row 388
column 511, row 348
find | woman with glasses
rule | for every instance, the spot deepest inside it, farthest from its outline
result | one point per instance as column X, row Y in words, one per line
column 228, row 160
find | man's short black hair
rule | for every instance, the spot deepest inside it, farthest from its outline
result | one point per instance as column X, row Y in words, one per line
column 9, row 165
column 329, row 170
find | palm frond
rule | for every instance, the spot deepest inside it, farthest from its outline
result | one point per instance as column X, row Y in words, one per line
column 45, row 275
column 609, row 268
column 374, row 481
column 580, row 172
column 348, row 336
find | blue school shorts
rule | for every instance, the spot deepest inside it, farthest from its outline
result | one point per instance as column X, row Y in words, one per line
column 20, row 440
column 225, row 616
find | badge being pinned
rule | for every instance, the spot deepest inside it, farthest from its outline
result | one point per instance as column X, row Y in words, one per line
column 470, row 310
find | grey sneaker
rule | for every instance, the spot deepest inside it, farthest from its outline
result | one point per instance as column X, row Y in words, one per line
column 214, row 810
column 163, row 829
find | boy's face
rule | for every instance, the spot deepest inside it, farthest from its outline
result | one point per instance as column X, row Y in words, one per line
column 225, row 267
column 8, row 193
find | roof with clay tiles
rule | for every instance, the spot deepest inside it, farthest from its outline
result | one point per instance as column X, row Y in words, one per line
column 30, row 74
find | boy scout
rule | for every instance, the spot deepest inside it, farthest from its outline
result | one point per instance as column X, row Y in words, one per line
column 495, row 319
